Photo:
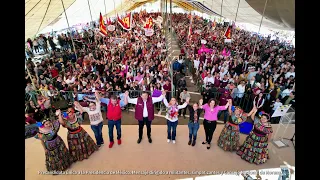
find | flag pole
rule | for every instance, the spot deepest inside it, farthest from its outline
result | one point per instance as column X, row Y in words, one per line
column 264, row 9
column 74, row 48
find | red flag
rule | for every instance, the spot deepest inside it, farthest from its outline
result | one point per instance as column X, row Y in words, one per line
column 148, row 23
column 109, row 21
column 126, row 21
column 102, row 26
column 227, row 34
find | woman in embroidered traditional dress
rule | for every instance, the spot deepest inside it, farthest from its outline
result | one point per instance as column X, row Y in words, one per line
column 57, row 155
column 254, row 149
column 172, row 117
column 81, row 145
column 229, row 137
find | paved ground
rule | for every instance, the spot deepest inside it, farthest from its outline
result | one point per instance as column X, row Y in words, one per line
column 159, row 155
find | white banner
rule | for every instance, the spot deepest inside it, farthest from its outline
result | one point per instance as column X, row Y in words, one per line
column 227, row 40
column 203, row 41
column 111, row 27
column 197, row 31
column 148, row 32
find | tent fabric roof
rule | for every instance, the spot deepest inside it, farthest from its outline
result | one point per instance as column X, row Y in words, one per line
column 40, row 13
column 246, row 13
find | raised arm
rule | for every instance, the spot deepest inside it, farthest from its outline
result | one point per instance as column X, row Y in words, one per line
column 58, row 113
column 133, row 100
column 230, row 105
column 79, row 107
column 165, row 102
column 184, row 104
column 98, row 97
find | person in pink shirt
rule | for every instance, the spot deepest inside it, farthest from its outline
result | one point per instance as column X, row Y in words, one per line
column 139, row 77
column 210, row 118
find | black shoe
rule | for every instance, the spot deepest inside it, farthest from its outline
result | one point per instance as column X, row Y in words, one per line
column 150, row 140
column 189, row 142
column 139, row 140
column 102, row 143
column 208, row 147
column 99, row 145
column 204, row 142
column 193, row 142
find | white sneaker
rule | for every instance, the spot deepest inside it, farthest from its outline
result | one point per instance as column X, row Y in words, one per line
column 168, row 140
column 174, row 141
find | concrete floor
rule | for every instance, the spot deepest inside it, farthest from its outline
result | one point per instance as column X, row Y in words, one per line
column 159, row 155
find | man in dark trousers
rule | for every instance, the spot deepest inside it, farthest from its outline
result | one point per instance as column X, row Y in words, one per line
column 144, row 111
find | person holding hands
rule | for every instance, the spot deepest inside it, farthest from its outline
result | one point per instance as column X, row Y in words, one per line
column 172, row 116
column 210, row 118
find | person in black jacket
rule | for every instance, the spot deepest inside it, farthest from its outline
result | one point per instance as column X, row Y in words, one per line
column 206, row 94
column 193, row 124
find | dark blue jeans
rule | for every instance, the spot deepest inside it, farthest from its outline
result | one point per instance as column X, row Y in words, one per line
column 111, row 125
column 193, row 130
column 173, row 126
column 97, row 129
column 225, row 115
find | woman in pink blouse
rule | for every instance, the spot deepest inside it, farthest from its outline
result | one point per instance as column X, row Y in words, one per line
column 210, row 118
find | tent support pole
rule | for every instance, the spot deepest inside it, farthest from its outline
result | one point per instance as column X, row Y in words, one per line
column 74, row 48
column 235, row 19
column 90, row 11
column 254, row 48
column 221, row 10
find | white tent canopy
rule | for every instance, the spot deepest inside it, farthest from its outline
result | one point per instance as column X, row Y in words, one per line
column 246, row 14
column 40, row 13
column 46, row 15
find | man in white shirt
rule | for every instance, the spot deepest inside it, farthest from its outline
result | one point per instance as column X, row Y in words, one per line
column 70, row 80
column 209, row 79
column 196, row 63
column 240, row 91
column 274, row 106
column 286, row 92
column 184, row 95
column 144, row 111
column 291, row 73
column 265, row 64
column 223, row 72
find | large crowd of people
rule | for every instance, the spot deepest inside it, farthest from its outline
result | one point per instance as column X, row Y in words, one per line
column 127, row 67
column 248, row 66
